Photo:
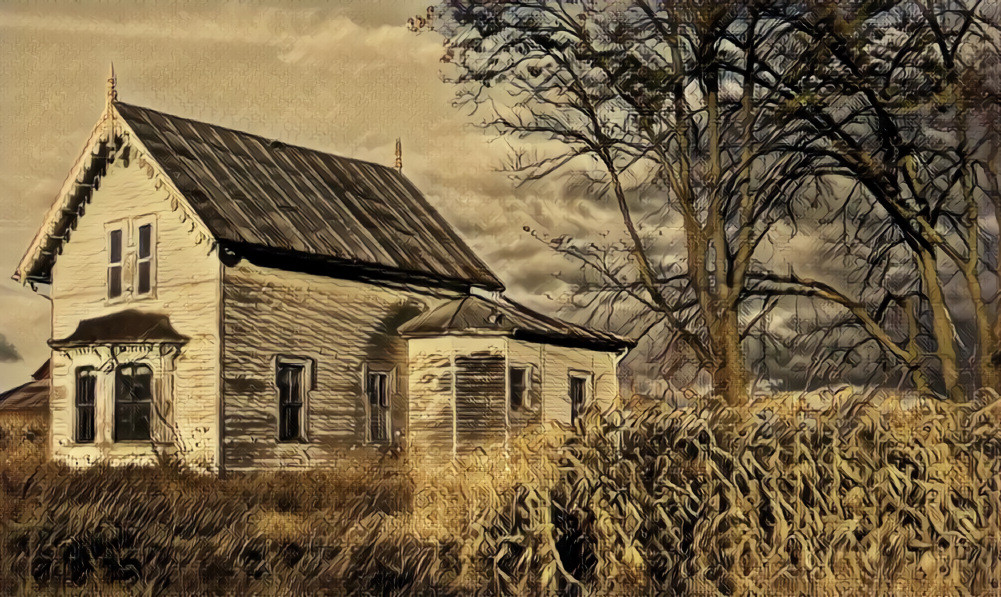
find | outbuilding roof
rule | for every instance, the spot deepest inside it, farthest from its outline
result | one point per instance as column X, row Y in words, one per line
column 32, row 396
column 478, row 315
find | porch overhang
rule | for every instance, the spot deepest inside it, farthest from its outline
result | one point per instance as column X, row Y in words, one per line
column 129, row 327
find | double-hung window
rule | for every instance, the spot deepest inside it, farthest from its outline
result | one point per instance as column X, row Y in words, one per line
column 133, row 402
column 131, row 269
column 86, row 384
column 377, row 399
column 518, row 388
column 144, row 260
column 292, row 381
column 115, row 262
column 578, row 394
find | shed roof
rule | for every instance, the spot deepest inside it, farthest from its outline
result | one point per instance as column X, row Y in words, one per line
column 472, row 315
column 124, row 327
column 31, row 396
column 253, row 192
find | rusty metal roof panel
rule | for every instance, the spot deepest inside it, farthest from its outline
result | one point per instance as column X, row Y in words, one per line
column 254, row 191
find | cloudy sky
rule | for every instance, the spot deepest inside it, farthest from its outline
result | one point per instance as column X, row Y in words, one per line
column 343, row 77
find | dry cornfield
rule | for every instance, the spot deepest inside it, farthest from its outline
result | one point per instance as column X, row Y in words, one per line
column 857, row 495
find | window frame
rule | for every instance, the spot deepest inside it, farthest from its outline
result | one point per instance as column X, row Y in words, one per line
column 90, row 373
column 115, row 431
column 526, row 399
column 588, row 378
column 307, row 384
column 137, row 223
column 390, row 374
column 121, row 227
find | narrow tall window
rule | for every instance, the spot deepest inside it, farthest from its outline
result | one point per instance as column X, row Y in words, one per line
column 377, row 392
column 578, row 392
column 86, row 382
column 144, row 261
column 517, row 385
column 133, row 402
column 114, row 263
column 291, row 394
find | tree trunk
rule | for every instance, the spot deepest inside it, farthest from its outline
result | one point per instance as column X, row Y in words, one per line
column 730, row 374
column 918, row 376
column 942, row 327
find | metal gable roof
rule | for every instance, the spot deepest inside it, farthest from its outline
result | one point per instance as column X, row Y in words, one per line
column 262, row 194
column 474, row 315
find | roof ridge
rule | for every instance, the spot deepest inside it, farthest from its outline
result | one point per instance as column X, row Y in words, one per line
column 262, row 137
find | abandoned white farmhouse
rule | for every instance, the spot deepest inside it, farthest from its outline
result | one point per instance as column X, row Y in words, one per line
column 242, row 303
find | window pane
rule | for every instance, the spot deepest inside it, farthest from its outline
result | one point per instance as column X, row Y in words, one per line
column 144, row 277
column 145, row 240
column 372, row 389
column 114, row 281
column 115, row 246
column 289, row 422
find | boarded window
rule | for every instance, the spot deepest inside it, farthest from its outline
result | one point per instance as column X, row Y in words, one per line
column 291, row 384
column 114, row 263
column 133, row 402
column 144, row 262
column 578, row 393
column 517, row 388
column 86, row 384
column 377, row 392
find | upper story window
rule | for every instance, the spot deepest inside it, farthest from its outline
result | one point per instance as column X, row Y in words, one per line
column 115, row 261
column 132, row 258
column 144, row 260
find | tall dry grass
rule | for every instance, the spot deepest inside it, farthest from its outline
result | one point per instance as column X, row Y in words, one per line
column 863, row 495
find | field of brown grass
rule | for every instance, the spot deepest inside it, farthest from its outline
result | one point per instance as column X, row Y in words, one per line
column 858, row 495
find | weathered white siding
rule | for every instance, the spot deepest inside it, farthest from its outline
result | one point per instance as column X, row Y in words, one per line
column 187, row 289
column 555, row 364
column 343, row 326
column 476, row 412
column 471, row 414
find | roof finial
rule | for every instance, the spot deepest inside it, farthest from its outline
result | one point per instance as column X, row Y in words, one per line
column 399, row 156
column 112, row 81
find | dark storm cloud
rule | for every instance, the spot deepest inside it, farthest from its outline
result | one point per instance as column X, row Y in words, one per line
column 8, row 352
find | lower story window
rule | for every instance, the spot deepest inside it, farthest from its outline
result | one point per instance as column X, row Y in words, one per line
column 517, row 386
column 86, row 383
column 291, row 382
column 133, row 402
column 578, row 394
column 377, row 392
